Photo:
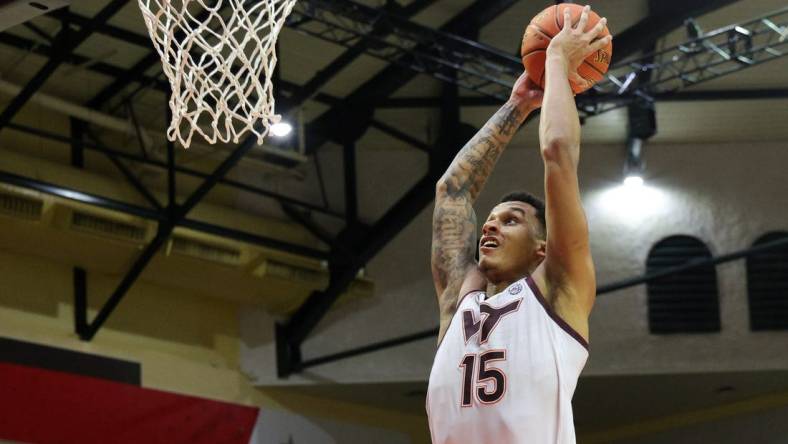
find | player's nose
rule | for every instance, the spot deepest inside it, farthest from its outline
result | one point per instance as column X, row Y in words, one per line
column 491, row 226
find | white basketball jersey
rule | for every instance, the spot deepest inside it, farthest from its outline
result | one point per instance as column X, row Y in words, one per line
column 505, row 371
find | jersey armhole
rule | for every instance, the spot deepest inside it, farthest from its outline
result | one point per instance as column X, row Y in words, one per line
column 553, row 315
column 459, row 302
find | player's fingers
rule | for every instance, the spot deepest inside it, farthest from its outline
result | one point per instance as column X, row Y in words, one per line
column 600, row 26
column 581, row 24
column 567, row 20
column 581, row 81
column 599, row 44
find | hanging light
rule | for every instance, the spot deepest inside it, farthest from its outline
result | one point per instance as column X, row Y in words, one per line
column 633, row 169
column 281, row 129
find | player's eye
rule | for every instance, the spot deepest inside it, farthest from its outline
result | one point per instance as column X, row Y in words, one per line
column 511, row 221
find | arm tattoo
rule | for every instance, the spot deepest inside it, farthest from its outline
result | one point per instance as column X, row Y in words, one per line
column 475, row 161
column 454, row 221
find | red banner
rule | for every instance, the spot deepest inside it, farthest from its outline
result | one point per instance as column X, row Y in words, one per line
column 43, row 406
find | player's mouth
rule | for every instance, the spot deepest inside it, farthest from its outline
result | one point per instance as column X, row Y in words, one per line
column 488, row 244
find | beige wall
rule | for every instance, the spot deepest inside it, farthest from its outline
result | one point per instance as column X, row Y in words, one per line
column 185, row 344
column 725, row 194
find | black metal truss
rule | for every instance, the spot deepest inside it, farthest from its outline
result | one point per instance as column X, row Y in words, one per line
column 488, row 71
column 328, row 126
column 65, row 42
column 364, row 244
column 584, row 100
column 168, row 218
column 161, row 85
column 98, row 147
column 139, row 68
column 153, row 215
column 479, row 67
column 663, row 16
column 707, row 57
column 76, row 60
column 609, row 288
column 355, row 49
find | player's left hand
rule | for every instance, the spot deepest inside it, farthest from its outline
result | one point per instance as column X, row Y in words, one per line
column 574, row 43
column 526, row 94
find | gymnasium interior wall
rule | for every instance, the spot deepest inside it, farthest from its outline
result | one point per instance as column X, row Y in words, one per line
column 725, row 193
column 184, row 335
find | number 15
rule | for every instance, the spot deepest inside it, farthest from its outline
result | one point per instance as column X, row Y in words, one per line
column 495, row 375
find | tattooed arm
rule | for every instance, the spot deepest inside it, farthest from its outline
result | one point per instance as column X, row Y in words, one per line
column 454, row 221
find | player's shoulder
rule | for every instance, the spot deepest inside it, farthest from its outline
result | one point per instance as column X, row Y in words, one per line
column 474, row 281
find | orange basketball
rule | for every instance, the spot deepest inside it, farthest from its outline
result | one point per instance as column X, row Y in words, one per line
column 541, row 30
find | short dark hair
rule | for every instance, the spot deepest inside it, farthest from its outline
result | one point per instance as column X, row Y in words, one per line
column 530, row 199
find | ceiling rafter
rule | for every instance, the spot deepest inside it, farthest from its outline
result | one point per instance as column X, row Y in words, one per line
column 66, row 41
column 328, row 125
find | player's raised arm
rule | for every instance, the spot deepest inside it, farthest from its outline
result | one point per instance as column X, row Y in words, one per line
column 568, row 267
column 454, row 220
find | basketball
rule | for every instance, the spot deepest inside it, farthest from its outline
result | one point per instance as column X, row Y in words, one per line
column 541, row 30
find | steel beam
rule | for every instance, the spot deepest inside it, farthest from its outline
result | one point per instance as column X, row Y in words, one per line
column 715, row 95
column 80, row 300
column 400, row 135
column 123, row 81
column 77, row 142
column 135, row 71
column 366, row 244
column 76, row 60
column 327, row 126
column 171, row 170
column 324, row 75
column 670, row 15
column 313, row 227
column 587, row 100
column 187, row 171
column 133, row 180
column 370, row 348
column 150, row 214
column 351, row 186
column 65, row 42
column 176, row 216
column 291, row 334
column 104, row 28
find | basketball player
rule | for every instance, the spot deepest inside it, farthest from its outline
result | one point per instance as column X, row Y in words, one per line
column 514, row 326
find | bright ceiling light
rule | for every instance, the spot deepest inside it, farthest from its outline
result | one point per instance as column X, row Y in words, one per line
column 633, row 204
column 633, row 181
column 281, row 129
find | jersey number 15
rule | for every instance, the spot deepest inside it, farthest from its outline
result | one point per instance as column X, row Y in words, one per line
column 483, row 374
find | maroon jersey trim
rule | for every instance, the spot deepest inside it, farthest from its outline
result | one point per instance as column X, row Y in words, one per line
column 553, row 315
column 456, row 309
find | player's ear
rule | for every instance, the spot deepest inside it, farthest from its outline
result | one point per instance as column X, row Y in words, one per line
column 541, row 248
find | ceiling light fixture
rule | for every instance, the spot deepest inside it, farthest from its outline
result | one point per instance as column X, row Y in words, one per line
column 281, row 129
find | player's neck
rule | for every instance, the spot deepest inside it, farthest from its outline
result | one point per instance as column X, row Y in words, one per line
column 497, row 287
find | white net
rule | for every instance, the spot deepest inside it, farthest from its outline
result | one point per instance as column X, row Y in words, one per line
column 219, row 57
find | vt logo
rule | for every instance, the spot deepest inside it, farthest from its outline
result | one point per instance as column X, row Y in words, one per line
column 489, row 319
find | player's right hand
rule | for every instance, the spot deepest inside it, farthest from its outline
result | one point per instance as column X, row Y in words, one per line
column 574, row 44
column 526, row 94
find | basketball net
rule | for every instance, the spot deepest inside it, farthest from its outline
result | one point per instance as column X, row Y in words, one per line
column 219, row 56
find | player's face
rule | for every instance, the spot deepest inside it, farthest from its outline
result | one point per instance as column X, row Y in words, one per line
column 510, row 244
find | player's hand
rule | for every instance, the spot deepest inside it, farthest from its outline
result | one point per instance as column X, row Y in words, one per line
column 574, row 44
column 526, row 94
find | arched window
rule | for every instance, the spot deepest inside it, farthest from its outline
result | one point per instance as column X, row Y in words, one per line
column 687, row 301
column 767, row 285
